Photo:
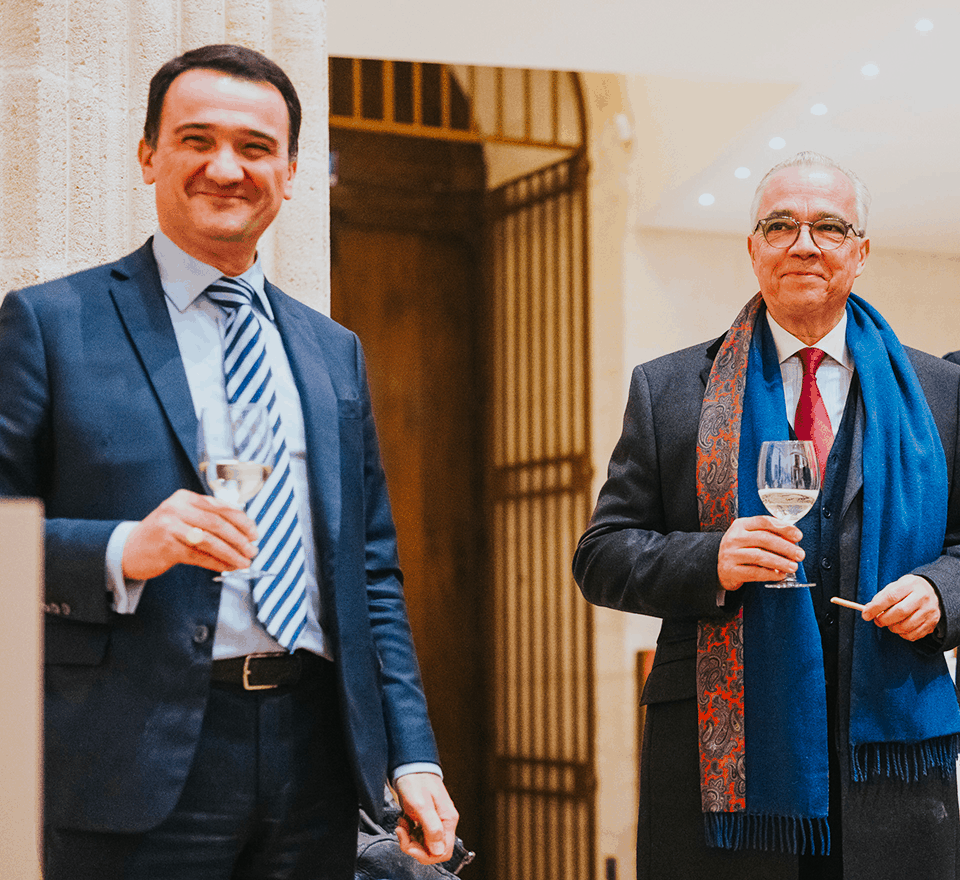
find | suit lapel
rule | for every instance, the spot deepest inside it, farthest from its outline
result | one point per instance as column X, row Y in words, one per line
column 139, row 299
column 319, row 404
column 855, row 472
column 711, row 356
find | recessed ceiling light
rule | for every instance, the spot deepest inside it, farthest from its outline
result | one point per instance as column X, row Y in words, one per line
column 742, row 173
column 818, row 109
column 924, row 25
column 777, row 143
column 706, row 200
column 869, row 70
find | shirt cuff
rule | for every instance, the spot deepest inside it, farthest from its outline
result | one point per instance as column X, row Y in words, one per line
column 420, row 767
column 126, row 593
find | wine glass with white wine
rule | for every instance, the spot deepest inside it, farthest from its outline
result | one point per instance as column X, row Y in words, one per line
column 235, row 447
column 788, row 481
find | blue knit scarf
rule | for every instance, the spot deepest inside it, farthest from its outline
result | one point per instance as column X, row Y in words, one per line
column 904, row 719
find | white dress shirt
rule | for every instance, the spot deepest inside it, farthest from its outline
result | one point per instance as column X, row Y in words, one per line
column 198, row 325
column 833, row 377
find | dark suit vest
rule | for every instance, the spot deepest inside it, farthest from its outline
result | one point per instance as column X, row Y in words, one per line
column 821, row 540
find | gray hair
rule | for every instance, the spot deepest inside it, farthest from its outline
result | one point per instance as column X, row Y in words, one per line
column 809, row 159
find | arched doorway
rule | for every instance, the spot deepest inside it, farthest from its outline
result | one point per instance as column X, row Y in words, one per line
column 459, row 256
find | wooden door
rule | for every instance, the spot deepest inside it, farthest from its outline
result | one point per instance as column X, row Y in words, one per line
column 405, row 277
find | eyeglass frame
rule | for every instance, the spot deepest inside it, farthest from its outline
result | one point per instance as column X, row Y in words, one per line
column 848, row 228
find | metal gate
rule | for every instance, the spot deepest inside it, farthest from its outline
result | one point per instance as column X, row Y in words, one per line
column 543, row 785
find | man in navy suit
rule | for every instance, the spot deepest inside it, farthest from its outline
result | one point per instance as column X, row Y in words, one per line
column 182, row 740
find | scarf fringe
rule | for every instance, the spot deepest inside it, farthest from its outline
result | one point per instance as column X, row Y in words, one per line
column 907, row 761
column 791, row 834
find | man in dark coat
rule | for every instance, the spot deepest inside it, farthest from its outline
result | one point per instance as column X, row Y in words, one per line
column 786, row 736
column 187, row 736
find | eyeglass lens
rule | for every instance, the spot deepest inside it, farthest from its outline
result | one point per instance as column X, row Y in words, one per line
column 782, row 232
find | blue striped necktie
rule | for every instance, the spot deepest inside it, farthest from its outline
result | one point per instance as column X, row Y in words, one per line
column 281, row 601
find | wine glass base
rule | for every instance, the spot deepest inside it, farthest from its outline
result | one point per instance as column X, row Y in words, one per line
column 784, row 585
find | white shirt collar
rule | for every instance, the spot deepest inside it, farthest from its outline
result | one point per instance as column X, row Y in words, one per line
column 184, row 277
column 834, row 343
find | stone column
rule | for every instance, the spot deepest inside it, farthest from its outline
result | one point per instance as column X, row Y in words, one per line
column 302, row 231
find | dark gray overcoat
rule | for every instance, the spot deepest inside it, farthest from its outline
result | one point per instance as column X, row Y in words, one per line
column 643, row 553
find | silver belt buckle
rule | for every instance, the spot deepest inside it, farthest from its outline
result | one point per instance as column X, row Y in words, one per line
column 246, row 673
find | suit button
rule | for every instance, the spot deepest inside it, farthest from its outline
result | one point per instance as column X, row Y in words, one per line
column 825, row 563
column 826, row 513
column 829, row 618
column 201, row 634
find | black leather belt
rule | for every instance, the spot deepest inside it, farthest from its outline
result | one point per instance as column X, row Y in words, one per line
column 258, row 672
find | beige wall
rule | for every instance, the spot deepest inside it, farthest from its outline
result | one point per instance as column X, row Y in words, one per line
column 654, row 291
column 609, row 204
column 687, row 287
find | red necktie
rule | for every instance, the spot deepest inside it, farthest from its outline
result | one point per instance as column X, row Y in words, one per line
column 811, row 421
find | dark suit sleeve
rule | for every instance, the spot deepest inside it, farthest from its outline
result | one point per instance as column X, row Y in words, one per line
column 410, row 737
column 74, row 548
column 643, row 551
column 942, row 387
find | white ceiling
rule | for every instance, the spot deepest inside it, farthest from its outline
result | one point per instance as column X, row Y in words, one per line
column 744, row 71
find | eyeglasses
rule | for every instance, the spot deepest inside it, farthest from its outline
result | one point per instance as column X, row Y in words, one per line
column 828, row 233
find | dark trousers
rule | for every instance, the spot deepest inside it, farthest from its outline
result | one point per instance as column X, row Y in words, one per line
column 670, row 835
column 829, row 867
column 270, row 796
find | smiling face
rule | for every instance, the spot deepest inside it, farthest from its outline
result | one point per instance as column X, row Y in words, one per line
column 806, row 289
column 220, row 166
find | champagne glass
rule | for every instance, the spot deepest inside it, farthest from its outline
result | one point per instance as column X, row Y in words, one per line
column 788, row 480
column 235, row 448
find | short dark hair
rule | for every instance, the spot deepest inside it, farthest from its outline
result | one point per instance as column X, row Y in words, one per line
column 236, row 61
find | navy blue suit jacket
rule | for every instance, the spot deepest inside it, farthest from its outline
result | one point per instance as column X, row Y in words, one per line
column 96, row 419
